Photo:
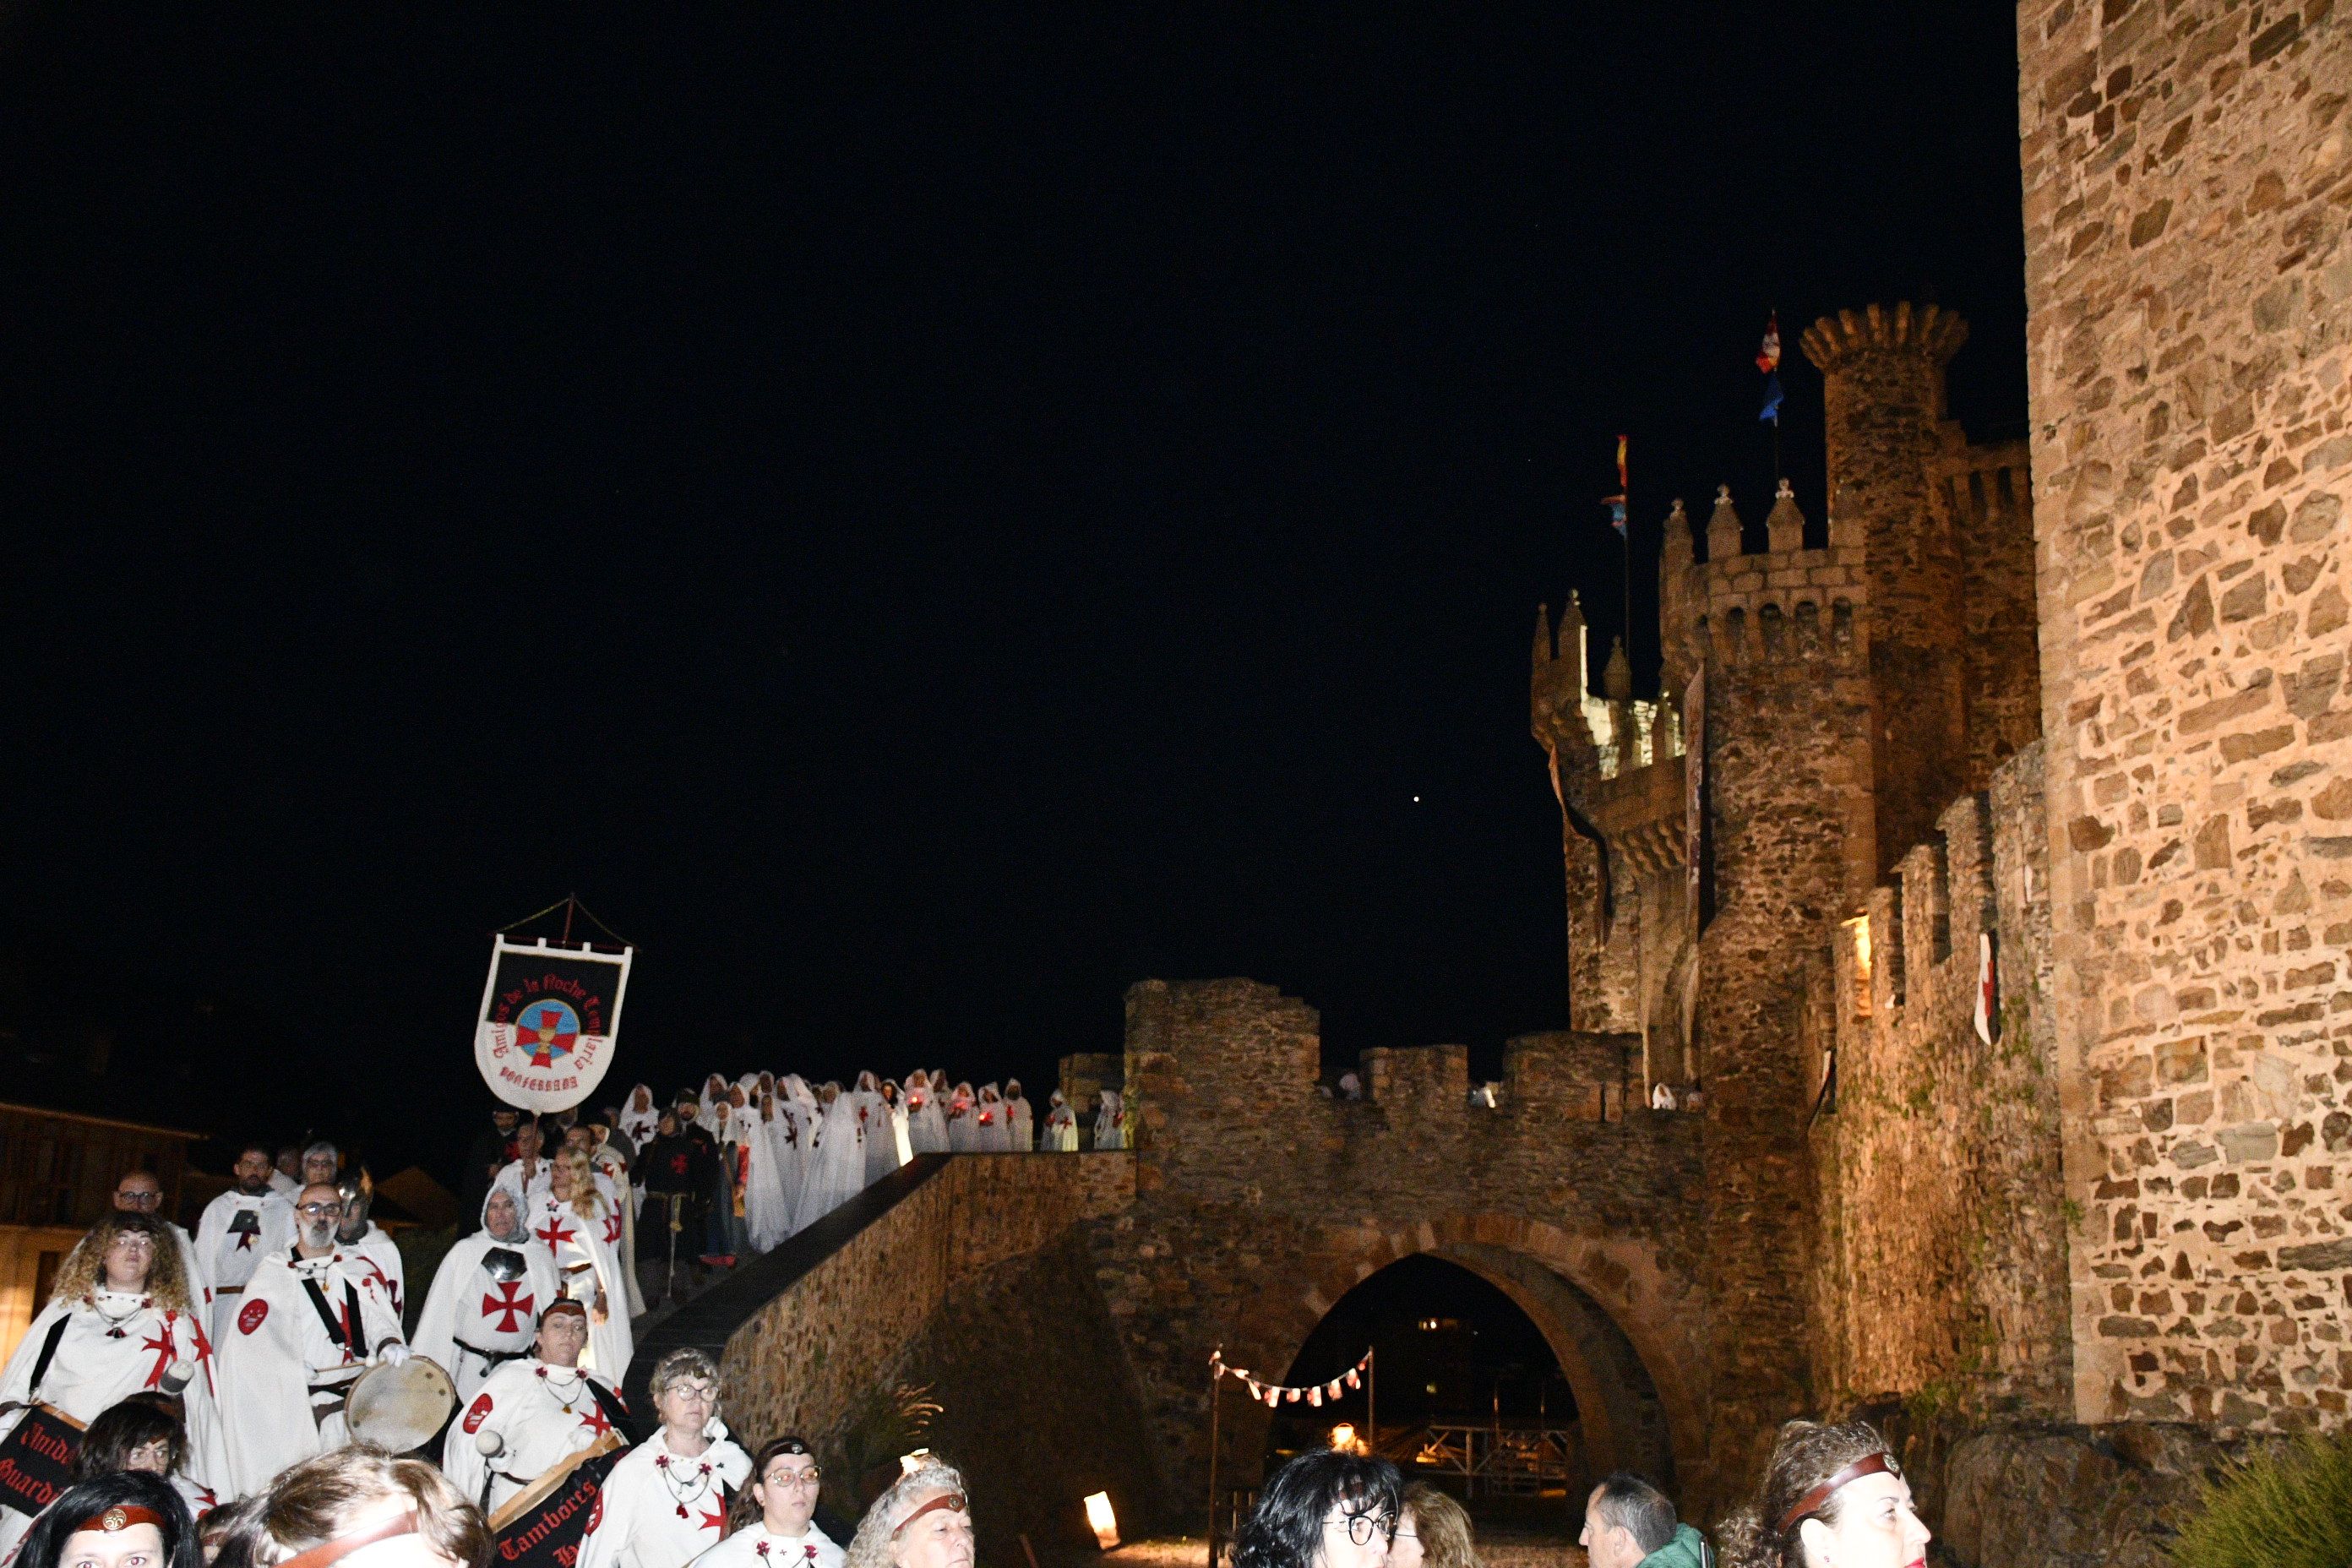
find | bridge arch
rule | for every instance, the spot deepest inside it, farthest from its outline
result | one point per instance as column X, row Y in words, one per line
column 1621, row 1326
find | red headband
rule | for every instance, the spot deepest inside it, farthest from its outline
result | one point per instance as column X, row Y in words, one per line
column 945, row 1499
column 1807, row 1505
column 121, row 1516
column 335, row 1550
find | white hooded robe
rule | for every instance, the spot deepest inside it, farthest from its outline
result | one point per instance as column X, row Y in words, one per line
column 473, row 1322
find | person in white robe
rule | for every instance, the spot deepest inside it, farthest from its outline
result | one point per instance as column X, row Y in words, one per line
column 767, row 1213
column 313, row 1318
column 237, row 1230
column 139, row 1192
column 120, row 1320
column 995, row 1120
column 837, row 1165
column 1110, row 1122
column 1020, row 1128
column 927, row 1126
column 963, row 1121
column 775, row 1515
column 665, row 1502
column 527, row 1173
column 613, row 1180
column 486, row 1296
column 363, row 1237
column 640, row 1117
column 1061, row 1125
column 713, row 1114
column 896, row 1099
column 794, row 1133
column 533, row 1414
column 577, row 1229
column 874, row 1130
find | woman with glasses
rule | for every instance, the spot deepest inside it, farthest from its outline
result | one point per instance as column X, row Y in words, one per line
column 665, row 1502
column 773, row 1518
column 120, row 1319
column 1323, row 1509
column 144, row 1433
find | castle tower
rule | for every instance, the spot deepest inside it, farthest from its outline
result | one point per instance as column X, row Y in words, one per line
column 1882, row 395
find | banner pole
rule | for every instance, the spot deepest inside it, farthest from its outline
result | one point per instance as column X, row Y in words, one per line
column 1216, row 1383
column 1373, row 1399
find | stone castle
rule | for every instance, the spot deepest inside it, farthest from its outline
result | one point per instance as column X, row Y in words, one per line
column 2077, row 700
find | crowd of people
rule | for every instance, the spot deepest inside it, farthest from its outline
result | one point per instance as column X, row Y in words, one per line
column 204, row 1386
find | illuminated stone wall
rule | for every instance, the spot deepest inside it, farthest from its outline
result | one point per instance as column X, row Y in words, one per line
column 2187, row 181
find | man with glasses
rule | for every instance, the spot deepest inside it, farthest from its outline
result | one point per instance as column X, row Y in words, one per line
column 534, row 1413
column 314, row 1316
column 240, row 1227
column 775, row 1517
column 140, row 1193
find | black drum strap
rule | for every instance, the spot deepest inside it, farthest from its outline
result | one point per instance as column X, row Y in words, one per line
column 49, row 1354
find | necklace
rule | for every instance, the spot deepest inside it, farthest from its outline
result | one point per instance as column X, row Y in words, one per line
column 686, row 1495
column 579, row 1383
column 116, row 1319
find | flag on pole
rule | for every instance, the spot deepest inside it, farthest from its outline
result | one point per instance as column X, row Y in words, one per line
column 1621, row 482
column 1616, row 503
column 1768, row 360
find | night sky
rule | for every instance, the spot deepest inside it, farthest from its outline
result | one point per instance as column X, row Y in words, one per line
column 920, row 523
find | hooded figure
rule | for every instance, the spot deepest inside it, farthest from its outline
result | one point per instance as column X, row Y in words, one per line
column 926, row 1127
column 640, row 1118
column 836, row 1170
column 577, row 1231
column 766, row 1215
column 794, row 1134
column 1061, row 1126
column 1110, row 1122
column 994, row 1131
column 713, row 1113
column 487, row 1296
column 963, row 1121
column 878, row 1121
column 1020, row 1133
column 896, row 1099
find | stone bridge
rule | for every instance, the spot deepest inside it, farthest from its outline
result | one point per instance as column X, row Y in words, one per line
column 1064, row 1308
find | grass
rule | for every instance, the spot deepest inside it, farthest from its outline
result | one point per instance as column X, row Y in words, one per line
column 2292, row 1511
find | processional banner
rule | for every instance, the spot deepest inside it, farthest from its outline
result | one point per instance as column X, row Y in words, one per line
column 541, row 1526
column 550, row 1014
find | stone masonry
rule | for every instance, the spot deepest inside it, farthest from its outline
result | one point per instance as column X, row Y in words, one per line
column 2188, row 189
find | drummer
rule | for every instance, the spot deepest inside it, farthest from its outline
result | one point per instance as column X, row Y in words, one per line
column 534, row 1413
column 314, row 1318
column 483, row 1308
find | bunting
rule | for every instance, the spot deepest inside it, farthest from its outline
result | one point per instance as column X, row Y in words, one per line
column 1271, row 1394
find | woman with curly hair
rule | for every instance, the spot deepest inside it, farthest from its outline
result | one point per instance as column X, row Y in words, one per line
column 120, row 1319
column 580, row 1227
column 125, row 1519
column 924, row 1521
column 1832, row 1497
column 1323, row 1509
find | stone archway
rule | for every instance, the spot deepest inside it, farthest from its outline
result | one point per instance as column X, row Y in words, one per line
column 1621, row 1326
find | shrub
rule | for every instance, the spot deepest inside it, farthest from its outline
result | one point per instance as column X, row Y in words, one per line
column 2294, row 1510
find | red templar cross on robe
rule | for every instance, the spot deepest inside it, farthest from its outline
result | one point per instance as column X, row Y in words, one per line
column 554, row 1235
column 162, row 1345
column 508, row 1305
column 595, row 1418
column 716, row 1518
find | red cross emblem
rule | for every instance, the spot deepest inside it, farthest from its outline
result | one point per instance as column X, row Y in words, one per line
column 553, row 1232
column 204, row 1347
column 759, row 1548
column 716, row 1518
column 543, row 1033
column 594, row 1419
column 508, row 1305
column 162, row 1345
column 612, row 1228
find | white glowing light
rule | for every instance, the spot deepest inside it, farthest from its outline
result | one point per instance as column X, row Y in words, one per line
column 1102, row 1521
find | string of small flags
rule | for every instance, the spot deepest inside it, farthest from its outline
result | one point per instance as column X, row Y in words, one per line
column 1271, row 1394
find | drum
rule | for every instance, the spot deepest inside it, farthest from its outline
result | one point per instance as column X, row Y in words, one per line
column 397, row 1408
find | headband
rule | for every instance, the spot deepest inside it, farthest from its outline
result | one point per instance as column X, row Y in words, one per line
column 121, row 1516
column 945, row 1499
column 335, row 1550
column 1807, row 1505
column 563, row 1304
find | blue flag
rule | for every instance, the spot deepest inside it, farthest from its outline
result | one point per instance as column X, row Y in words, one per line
column 1771, row 397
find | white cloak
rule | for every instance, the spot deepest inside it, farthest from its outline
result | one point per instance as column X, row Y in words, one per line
column 93, row 1369
column 510, row 1177
column 639, row 1126
column 1110, row 1122
column 525, row 1403
column 658, row 1510
column 581, row 1251
column 788, row 1137
column 379, row 1252
column 754, row 1547
column 926, row 1127
column 229, row 1253
column 1061, row 1127
column 471, row 1316
column 766, row 1215
column 836, row 1172
column 279, row 1349
column 963, row 1121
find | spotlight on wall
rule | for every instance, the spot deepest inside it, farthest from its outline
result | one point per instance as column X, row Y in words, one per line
column 1104, row 1522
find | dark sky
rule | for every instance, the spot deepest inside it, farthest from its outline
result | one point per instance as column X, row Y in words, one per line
column 920, row 523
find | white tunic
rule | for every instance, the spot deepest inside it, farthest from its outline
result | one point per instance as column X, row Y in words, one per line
column 510, row 1176
column 927, row 1129
column 581, row 1250
column 279, row 1350
column 639, row 1126
column 1061, row 1127
column 659, row 1511
column 115, row 1344
column 473, row 1322
column 766, row 1215
column 1020, row 1128
column 754, row 1546
column 237, row 1233
column 376, row 1251
column 836, row 1171
column 544, row 1415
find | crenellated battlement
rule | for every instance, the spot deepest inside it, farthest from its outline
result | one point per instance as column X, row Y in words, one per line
column 1786, row 603
column 1834, row 342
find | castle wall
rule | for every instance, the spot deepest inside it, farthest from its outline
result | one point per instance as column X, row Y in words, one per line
column 1260, row 1202
column 2186, row 180
column 1943, row 1262
column 1989, row 494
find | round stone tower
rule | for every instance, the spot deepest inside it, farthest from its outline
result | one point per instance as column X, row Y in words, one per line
column 1882, row 395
